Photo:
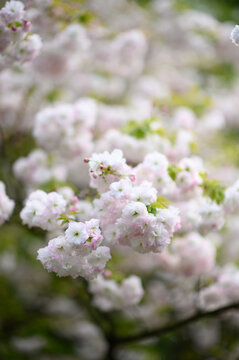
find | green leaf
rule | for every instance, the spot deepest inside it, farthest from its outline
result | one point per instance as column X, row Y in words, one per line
column 160, row 203
column 85, row 18
column 152, row 209
column 173, row 171
column 65, row 219
column 135, row 129
column 15, row 23
column 54, row 95
column 140, row 130
column 214, row 190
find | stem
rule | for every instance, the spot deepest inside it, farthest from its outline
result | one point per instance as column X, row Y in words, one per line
column 172, row 327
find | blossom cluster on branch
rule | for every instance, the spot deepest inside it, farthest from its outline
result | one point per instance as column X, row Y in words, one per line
column 17, row 44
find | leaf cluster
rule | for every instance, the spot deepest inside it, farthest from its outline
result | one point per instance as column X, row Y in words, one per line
column 140, row 130
column 214, row 190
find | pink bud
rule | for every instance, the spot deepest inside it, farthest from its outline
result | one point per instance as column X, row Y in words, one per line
column 14, row 28
column 26, row 25
column 86, row 160
column 132, row 177
column 107, row 273
column 75, row 199
column 101, row 167
column 95, row 176
column 73, row 208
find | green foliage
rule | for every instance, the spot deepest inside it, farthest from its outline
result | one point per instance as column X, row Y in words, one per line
column 227, row 144
column 54, row 95
column 18, row 144
column 15, row 23
column 165, row 310
column 71, row 11
column 14, row 308
column 54, row 185
column 194, row 98
column 173, row 171
column 225, row 72
column 85, row 18
column 143, row 2
column 65, row 219
column 116, row 275
column 214, row 190
column 161, row 203
column 221, row 9
column 137, row 130
column 193, row 147
column 140, row 130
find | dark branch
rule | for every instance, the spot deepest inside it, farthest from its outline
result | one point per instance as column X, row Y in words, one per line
column 172, row 327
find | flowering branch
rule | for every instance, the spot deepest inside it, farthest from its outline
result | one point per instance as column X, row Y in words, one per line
column 177, row 325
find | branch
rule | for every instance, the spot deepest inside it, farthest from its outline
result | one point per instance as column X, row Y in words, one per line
column 166, row 329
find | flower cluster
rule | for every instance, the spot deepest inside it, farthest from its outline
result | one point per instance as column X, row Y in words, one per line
column 130, row 212
column 77, row 252
column 201, row 213
column 106, row 168
column 173, row 180
column 191, row 255
column 223, row 291
column 146, row 134
column 38, row 168
column 43, row 210
column 154, row 168
column 124, row 55
column 109, row 295
column 17, row 44
column 66, row 129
